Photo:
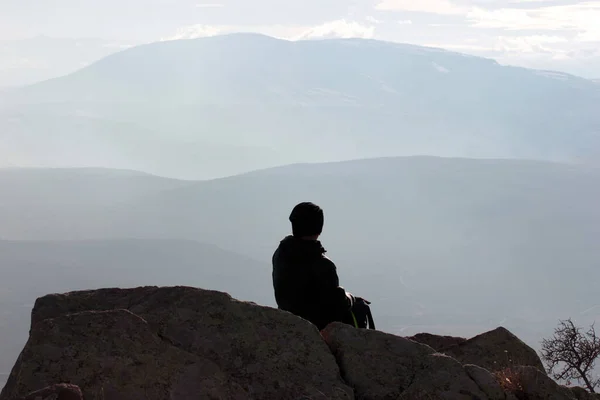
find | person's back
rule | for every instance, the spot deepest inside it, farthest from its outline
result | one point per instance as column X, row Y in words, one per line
column 305, row 280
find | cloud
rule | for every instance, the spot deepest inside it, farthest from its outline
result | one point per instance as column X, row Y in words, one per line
column 209, row 5
column 517, row 45
column 195, row 31
column 581, row 18
column 333, row 29
column 11, row 63
column 528, row 1
column 519, row 32
column 529, row 44
column 426, row 6
column 373, row 20
column 117, row 45
column 543, row 52
column 338, row 29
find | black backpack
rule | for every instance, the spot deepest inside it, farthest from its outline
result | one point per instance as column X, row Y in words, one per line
column 361, row 314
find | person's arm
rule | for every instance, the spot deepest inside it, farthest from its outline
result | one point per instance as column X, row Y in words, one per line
column 331, row 293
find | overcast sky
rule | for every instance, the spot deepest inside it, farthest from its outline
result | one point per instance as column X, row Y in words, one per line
column 554, row 34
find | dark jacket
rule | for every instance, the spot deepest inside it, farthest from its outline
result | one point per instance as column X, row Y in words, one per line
column 306, row 283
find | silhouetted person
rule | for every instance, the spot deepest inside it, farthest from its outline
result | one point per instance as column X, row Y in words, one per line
column 305, row 280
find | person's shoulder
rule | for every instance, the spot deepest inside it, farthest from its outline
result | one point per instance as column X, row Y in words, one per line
column 282, row 245
column 327, row 262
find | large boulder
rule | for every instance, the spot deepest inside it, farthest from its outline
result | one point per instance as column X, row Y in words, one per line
column 110, row 354
column 381, row 366
column 495, row 351
column 183, row 343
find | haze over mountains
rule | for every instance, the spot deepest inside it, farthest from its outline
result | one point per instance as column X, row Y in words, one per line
column 217, row 106
column 450, row 246
column 27, row 61
column 179, row 162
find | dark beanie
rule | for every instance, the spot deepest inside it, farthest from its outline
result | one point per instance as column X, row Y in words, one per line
column 307, row 220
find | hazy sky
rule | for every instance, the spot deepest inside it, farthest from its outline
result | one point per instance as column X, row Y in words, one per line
column 554, row 34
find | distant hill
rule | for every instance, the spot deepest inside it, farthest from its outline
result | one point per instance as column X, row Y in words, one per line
column 34, row 199
column 252, row 69
column 218, row 106
column 79, row 185
column 36, row 59
column 443, row 245
column 32, row 269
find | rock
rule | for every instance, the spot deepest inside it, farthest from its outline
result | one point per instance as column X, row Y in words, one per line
column 437, row 342
column 495, row 351
column 582, row 394
column 110, row 354
column 184, row 343
column 529, row 383
column 61, row 391
column 180, row 343
column 488, row 383
column 383, row 366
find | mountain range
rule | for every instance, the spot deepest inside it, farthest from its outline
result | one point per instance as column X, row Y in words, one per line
column 219, row 106
column 449, row 246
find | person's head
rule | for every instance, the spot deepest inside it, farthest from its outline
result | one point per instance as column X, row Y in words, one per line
column 307, row 221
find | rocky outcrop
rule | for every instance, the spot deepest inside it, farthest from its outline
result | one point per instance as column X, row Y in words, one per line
column 173, row 343
column 383, row 366
column 184, row 343
column 495, row 351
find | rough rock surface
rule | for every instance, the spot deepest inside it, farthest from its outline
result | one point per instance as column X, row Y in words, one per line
column 437, row 342
column 180, row 343
column 495, row 351
column 383, row 366
column 61, row 391
column 488, row 383
column 184, row 343
column 532, row 384
column 582, row 394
